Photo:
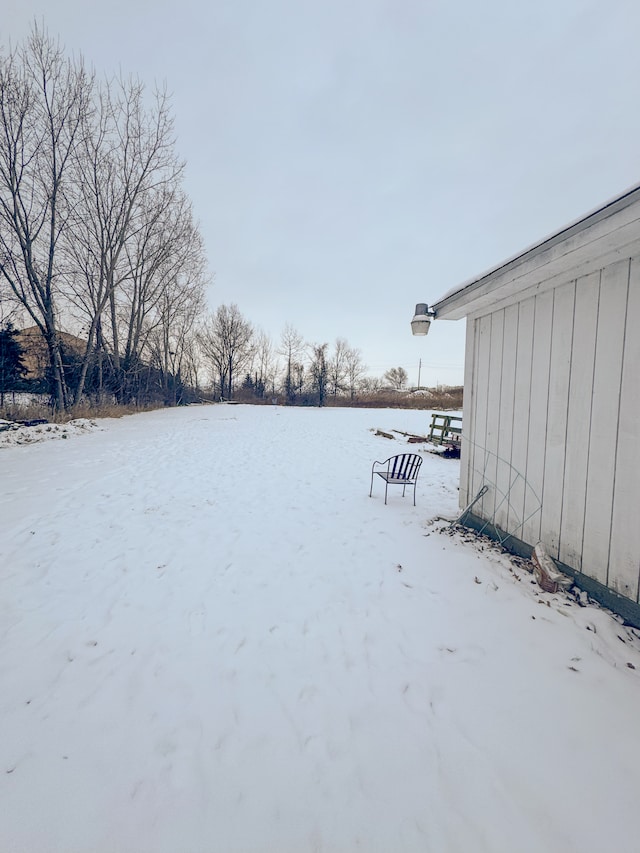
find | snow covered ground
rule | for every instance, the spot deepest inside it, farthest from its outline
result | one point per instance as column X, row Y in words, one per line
column 213, row 641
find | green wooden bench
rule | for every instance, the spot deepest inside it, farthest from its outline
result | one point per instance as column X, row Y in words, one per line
column 446, row 430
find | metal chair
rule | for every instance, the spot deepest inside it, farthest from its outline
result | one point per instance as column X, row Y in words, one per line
column 401, row 470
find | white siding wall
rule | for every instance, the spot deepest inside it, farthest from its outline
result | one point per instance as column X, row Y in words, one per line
column 504, row 474
column 552, row 414
column 625, row 526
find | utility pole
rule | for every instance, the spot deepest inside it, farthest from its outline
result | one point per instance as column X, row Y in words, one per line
column 419, row 369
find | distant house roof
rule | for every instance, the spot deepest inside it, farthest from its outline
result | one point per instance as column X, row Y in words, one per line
column 34, row 349
column 608, row 233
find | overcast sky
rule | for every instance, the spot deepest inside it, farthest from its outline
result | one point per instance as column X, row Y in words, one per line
column 349, row 158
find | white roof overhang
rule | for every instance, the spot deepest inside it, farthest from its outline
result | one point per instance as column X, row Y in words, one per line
column 610, row 233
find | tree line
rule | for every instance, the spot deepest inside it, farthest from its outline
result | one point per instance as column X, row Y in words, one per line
column 96, row 231
column 242, row 362
column 100, row 252
column 246, row 362
column 231, row 359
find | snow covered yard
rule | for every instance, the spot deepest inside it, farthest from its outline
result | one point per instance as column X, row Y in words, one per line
column 213, row 641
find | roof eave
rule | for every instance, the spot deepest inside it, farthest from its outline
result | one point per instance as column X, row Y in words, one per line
column 464, row 299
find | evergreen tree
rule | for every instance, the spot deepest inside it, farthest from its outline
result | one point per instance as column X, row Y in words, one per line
column 12, row 369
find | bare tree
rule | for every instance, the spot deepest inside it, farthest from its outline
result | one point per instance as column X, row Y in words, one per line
column 298, row 378
column 226, row 343
column 337, row 367
column 370, row 384
column 181, row 302
column 396, row 377
column 128, row 176
column 164, row 294
column 10, row 309
column 355, row 369
column 44, row 101
column 94, row 226
column 192, row 365
column 291, row 348
column 319, row 370
column 264, row 364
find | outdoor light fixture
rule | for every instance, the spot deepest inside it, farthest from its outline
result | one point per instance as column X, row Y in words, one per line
column 422, row 319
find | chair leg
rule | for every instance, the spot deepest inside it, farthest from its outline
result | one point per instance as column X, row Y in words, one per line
column 386, row 486
column 371, row 489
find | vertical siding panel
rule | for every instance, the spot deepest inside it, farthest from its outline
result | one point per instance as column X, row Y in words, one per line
column 473, row 450
column 553, row 492
column 493, row 410
column 624, row 556
column 505, row 430
column 468, row 419
column 579, row 418
column 521, row 416
column 480, row 436
column 604, row 418
column 539, row 398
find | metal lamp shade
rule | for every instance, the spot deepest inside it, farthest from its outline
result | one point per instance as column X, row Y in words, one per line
column 421, row 322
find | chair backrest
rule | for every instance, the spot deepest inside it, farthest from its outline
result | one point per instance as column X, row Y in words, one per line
column 405, row 465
